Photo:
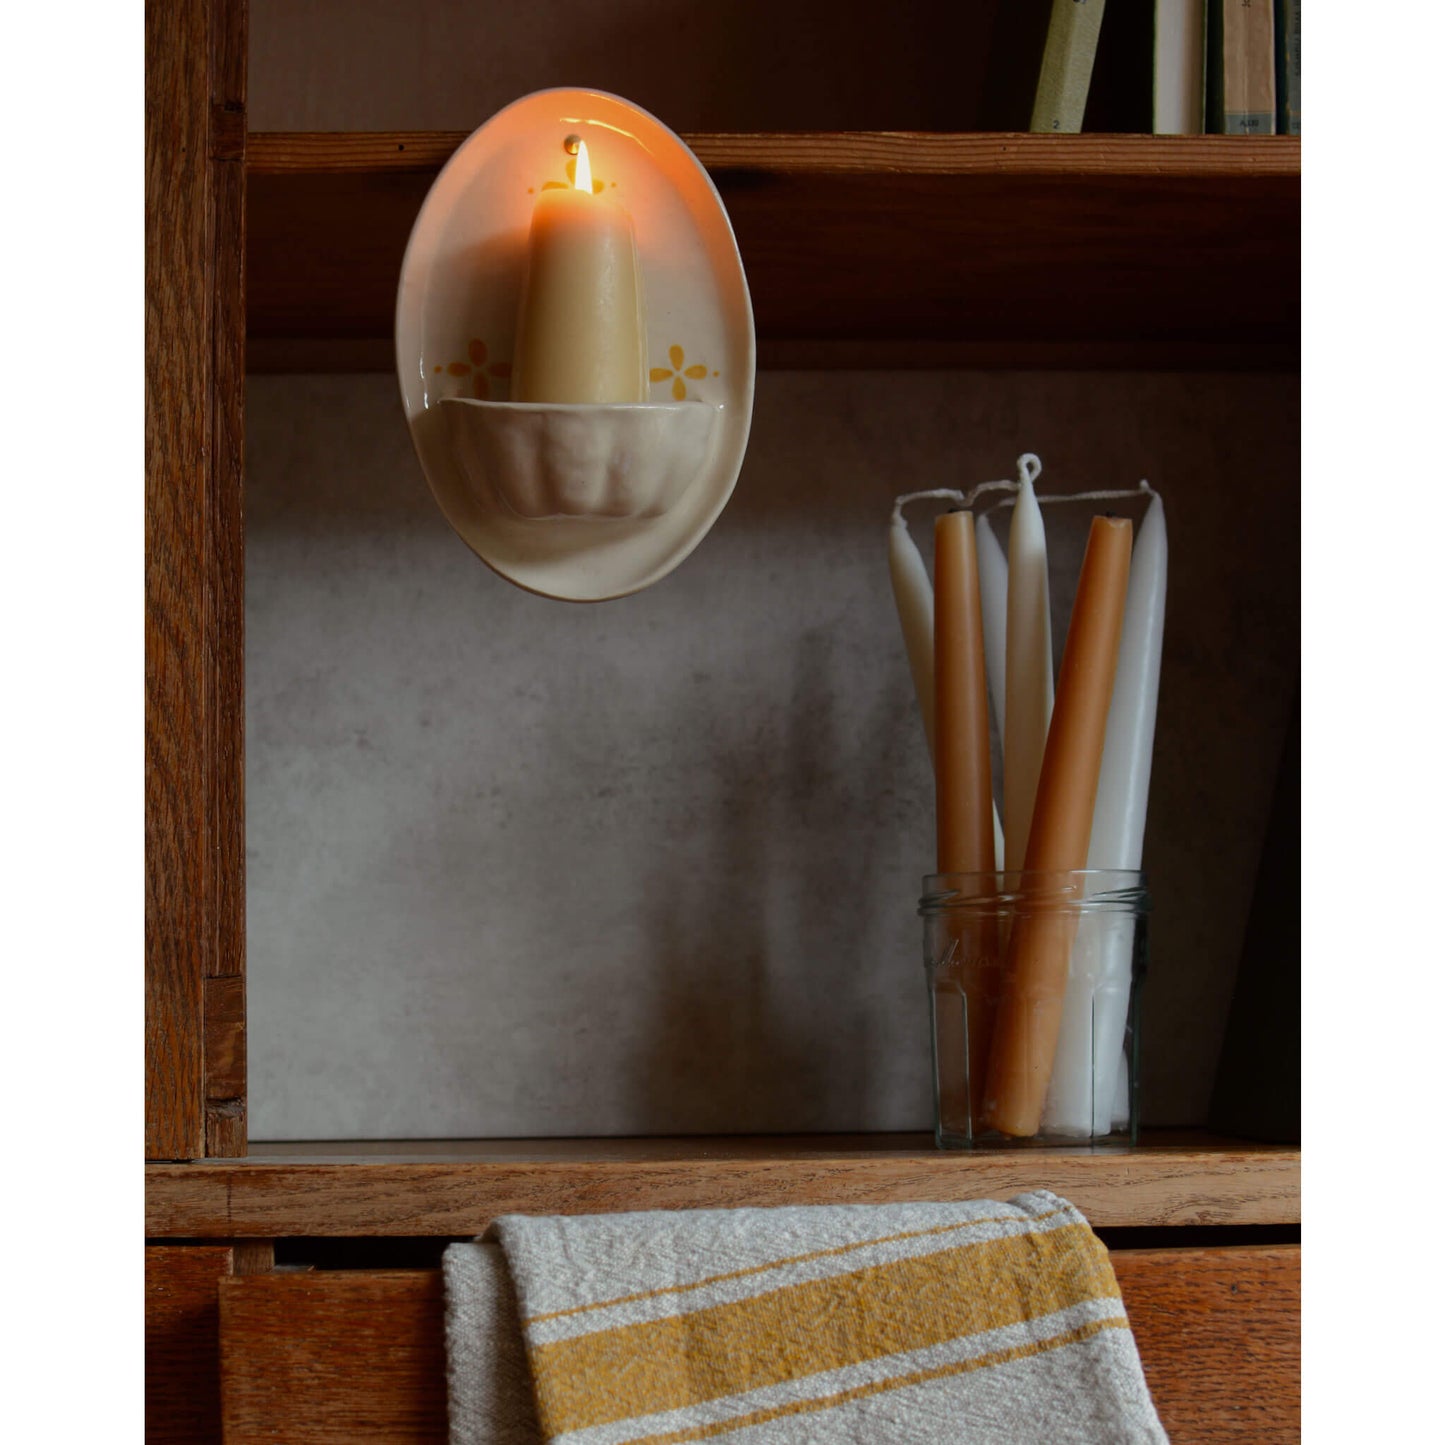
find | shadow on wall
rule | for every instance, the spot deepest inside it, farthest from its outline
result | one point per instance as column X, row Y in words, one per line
column 738, row 1027
column 726, row 770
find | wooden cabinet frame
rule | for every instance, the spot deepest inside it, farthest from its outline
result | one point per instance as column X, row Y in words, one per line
column 195, row 314
column 210, row 1213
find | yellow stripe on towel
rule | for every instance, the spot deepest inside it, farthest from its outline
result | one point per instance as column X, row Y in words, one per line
column 836, row 1251
column 801, row 1329
column 877, row 1387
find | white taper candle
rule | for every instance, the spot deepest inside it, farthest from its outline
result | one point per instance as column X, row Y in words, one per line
column 1029, row 671
column 913, row 594
column 1096, row 1007
column 993, row 587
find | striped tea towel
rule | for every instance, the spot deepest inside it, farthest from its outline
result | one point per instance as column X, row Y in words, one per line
column 489, row 1388
column 919, row 1322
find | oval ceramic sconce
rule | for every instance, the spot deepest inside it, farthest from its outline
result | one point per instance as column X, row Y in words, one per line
column 590, row 501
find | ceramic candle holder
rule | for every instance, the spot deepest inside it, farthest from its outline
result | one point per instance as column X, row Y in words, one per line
column 546, row 461
column 580, row 502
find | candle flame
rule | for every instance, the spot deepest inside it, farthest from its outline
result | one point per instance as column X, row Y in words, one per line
column 582, row 177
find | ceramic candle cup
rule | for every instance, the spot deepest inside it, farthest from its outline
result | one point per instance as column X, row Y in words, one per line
column 545, row 461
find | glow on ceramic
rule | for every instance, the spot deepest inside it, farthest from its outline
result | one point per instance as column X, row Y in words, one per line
column 456, row 321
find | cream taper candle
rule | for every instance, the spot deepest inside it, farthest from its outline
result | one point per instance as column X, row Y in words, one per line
column 581, row 331
column 913, row 596
column 1030, row 1009
column 1029, row 671
column 993, row 589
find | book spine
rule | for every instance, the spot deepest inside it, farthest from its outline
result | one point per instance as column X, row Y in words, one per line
column 1286, row 65
column 1180, row 44
column 1067, row 65
column 1241, row 66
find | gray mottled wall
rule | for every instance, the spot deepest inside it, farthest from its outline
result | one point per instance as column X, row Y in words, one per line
column 521, row 867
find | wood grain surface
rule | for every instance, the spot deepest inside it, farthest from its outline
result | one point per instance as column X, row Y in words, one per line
column 460, row 1193
column 321, row 1358
column 194, row 380
column 1158, row 249
column 182, row 1396
column 830, row 153
column 334, row 1356
column 1219, row 1334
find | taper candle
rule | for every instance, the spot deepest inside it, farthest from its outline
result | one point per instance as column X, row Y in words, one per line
column 993, row 591
column 913, row 596
column 1117, row 839
column 961, row 757
column 581, row 335
column 964, row 792
column 1026, row 1026
column 1029, row 671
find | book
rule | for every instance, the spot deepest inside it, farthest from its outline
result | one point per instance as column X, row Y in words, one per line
column 1240, row 69
column 1286, row 66
column 1179, row 67
column 1067, row 66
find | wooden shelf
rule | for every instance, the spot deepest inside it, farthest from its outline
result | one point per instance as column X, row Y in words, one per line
column 457, row 1188
column 865, row 250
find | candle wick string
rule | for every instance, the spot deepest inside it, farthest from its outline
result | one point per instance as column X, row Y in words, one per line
column 1029, row 468
column 1102, row 494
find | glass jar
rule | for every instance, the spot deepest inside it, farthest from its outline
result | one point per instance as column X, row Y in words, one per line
column 1033, row 985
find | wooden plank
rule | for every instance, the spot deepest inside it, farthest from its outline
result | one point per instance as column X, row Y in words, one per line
column 177, row 429
column 1009, row 247
column 830, row 152
column 334, row 1357
column 322, row 1358
column 461, row 1192
column 182, row 1396
column 1219, row 1335
column 195, row 308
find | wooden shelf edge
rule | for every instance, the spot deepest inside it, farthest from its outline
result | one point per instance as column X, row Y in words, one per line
column 828, row 153
column 993, row 251
column 457, row 1189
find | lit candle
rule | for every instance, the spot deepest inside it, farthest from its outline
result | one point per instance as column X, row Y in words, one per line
column 1031, row 1007
column 581, row 335
column 1029, row 671
column 963, row 788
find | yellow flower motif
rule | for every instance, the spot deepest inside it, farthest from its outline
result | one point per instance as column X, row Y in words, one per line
column 478, row 369
column 676, row 372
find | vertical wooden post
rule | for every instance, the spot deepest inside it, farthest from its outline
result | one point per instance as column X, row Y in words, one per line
column 194, row 411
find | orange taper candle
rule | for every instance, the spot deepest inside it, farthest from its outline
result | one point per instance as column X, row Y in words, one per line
column 1026, row 1029
column 963, row 789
